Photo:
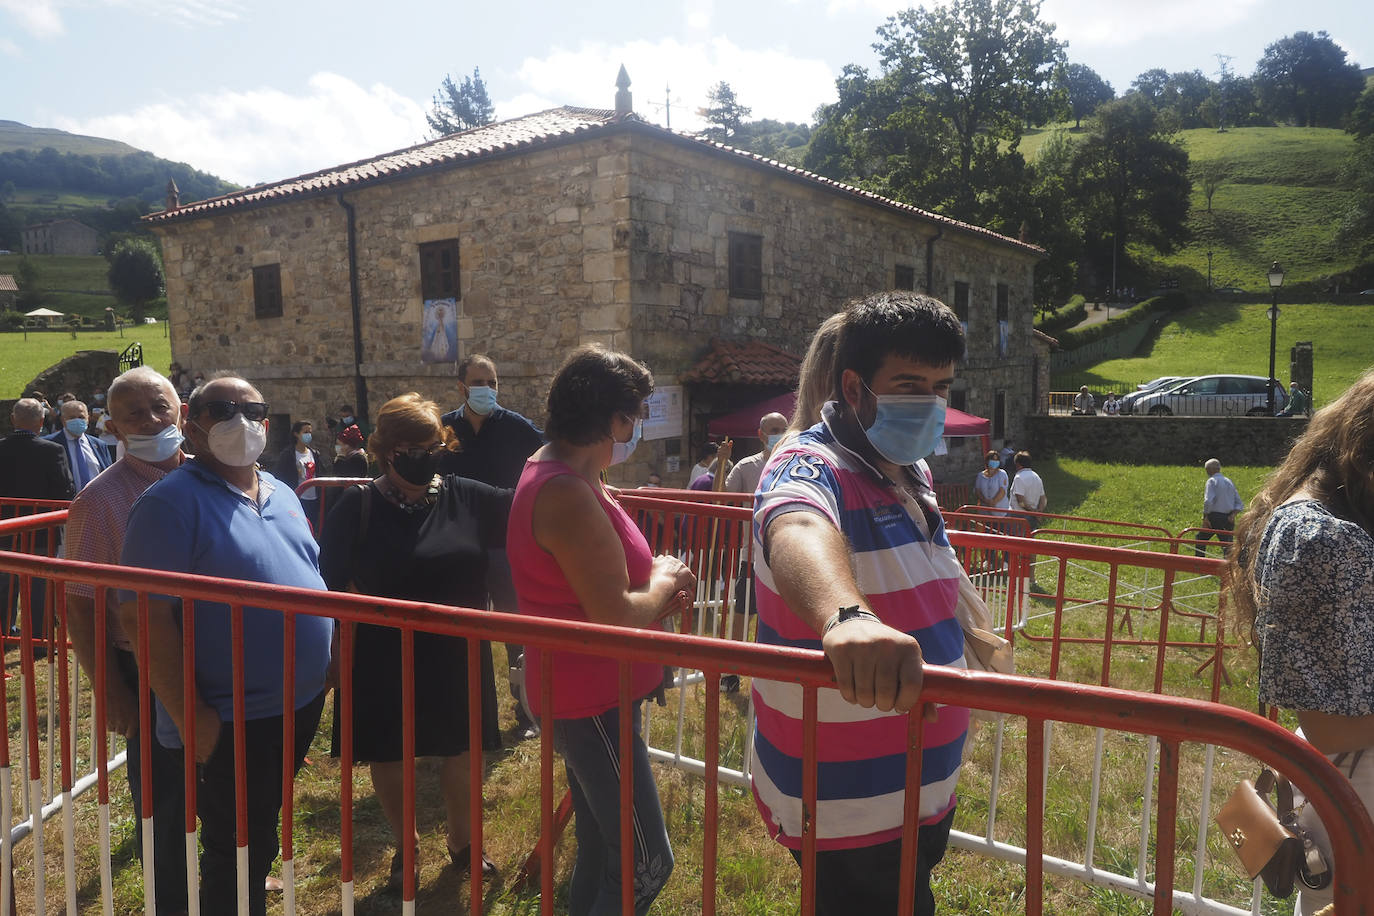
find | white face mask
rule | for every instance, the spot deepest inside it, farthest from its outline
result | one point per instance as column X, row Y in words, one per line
column 238, row 441
column 155, row 448
column 620, row 451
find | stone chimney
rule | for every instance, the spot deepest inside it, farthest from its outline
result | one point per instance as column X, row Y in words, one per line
column 173, row 194
column 624, row 102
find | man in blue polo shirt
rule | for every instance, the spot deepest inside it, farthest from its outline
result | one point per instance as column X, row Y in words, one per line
column 495, row 443
column 217, row 515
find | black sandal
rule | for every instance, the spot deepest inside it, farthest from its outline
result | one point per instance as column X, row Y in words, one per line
column 462, row 861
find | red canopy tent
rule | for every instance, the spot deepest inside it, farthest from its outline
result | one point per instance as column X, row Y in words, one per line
column 744, row 423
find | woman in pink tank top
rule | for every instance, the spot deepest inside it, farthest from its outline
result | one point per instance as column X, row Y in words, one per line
column 576, row 555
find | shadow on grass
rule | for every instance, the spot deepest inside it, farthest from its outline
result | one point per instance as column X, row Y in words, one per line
column 1064, row 489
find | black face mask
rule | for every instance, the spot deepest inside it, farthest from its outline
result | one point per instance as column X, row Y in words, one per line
column 417, row 471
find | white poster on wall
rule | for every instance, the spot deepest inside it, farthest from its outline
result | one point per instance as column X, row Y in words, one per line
column 666, row 406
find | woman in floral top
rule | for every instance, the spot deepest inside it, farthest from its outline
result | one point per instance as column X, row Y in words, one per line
column 1302, row 574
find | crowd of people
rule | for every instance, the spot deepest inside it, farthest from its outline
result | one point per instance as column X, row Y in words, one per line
column 479, row 508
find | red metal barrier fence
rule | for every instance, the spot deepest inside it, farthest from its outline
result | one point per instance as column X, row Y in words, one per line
column 1173, row 721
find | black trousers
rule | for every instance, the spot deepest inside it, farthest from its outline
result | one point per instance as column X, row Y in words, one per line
column 169, row 804
column 866, row 879
column 1221, row 521
column 215, row 806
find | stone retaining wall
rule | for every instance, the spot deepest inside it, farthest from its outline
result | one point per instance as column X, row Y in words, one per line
column 1166, row 440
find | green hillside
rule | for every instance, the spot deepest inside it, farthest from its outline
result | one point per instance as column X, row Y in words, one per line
column 1231, row 337
column 1280, row 197
column 15, row 136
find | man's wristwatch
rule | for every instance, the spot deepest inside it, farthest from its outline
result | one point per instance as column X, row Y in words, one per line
column 846, row 614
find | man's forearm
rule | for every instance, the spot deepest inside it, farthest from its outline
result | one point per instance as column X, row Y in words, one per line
column 811, row 567
column 164, row 655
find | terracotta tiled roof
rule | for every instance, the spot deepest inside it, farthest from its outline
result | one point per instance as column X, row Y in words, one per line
column 1041, row 335
column 479, row 143
column 745, row 362
column 529, row 132
column 8, row 284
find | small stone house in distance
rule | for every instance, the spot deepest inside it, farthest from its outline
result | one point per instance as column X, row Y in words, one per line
column 61, row 236
column 528, row 237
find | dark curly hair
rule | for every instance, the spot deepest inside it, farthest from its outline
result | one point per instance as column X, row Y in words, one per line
column 593, row 386
column 896, row 323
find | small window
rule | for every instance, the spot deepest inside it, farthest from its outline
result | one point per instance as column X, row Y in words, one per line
column 439, row 270
column 958, row 399
column 961, row 304
column 905, row 277
column 999, row 415
column 1003, row 301
column 746, row 266
column 267, row 291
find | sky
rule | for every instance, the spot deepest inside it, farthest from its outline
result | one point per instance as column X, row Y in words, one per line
column 255, row 91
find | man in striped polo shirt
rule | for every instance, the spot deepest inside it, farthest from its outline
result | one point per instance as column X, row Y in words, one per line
column 851, row 557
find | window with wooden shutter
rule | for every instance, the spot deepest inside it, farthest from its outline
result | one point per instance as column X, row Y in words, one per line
column 905, row 277
column 267, row 291
column 961, row 304
column 746, row 266
column 439, row 270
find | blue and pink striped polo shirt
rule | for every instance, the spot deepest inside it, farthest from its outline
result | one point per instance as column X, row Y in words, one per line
column 910, row 575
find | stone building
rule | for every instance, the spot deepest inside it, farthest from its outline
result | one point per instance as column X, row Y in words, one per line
column 526, row 238
column 9, row 292
column 61, row 236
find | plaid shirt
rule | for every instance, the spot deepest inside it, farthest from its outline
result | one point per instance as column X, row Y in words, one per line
column 95, row 526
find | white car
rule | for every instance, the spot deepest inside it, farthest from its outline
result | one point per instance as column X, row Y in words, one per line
column 1211, row 396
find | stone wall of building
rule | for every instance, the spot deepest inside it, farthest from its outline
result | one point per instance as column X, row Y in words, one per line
column 61, row 237
column 538, row 268
column 820, row 249
column 1166, row 440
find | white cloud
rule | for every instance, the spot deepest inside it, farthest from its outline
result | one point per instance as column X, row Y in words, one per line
column 10, row 49
column 266, row 134
column 43, row 18
column 770, row 81
column 1098, row 24
column 37, row 17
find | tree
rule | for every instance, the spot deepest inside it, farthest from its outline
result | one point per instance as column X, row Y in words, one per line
column 724, row 111
column 1357, row 224
column 135, row 274
column 1133, row 178
column 26, row 278
column 1085, row 90
column 460, row 106
column 1187, row 97
column 940, row 125
column 1212, row 176
column 1304, row 79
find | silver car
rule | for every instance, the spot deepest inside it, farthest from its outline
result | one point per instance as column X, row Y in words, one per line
column 1211, row 396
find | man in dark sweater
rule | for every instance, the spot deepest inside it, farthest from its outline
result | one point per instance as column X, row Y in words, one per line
column 31, row 468
column 495, row 443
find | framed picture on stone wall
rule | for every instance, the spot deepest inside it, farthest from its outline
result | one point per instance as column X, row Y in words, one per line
column 439, row 330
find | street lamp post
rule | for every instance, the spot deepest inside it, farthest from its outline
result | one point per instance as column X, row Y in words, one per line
column 1275, row 281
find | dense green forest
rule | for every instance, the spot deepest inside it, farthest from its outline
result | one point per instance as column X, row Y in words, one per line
column 139, row 174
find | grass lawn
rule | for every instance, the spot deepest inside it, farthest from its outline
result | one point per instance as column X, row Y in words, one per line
column 72, row 284
column 22, row 359
column 1232, row 337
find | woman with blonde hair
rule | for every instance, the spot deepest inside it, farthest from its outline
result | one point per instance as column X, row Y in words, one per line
column 1301, row 576
column 816, row 378
column 415, row 535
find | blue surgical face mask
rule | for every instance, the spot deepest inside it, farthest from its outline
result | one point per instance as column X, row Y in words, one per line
column 774, row 439
column 347, row 421
column 305, row 438
column 994, row 464
column 482, row 399
column 76, row 426
column 620, row 451
column 907, row 426
column 155, row 448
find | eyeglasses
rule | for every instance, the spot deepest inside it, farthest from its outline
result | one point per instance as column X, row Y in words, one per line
column 219, row 411
column 418, row 453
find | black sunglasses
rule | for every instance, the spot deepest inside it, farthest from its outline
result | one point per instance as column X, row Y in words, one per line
column 219, row 411
column 419, row 454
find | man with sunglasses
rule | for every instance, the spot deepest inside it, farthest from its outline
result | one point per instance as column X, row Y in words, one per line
column 218, row 515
